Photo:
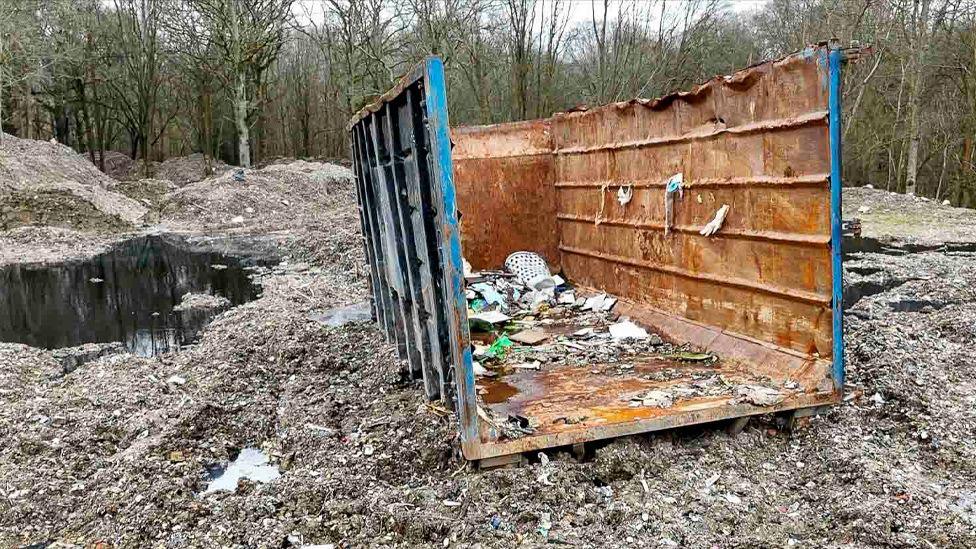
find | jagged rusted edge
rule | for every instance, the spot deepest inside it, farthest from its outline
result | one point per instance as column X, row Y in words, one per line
column 741, row 77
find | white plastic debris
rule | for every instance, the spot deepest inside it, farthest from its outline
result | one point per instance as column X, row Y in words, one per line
column 759, row 395
column 491, row 295
column 658, row 399
column 715, row 224
column 710, row 481
column 864, row 209
column 869, row 186
column 237, row 220
column 946, row 202
column 599, row 303
column 490, row 317
column 176, row 380
column 625, row 194
column 567, row 298
column 625, row 329
column 542, row 282
column 251, row 464
column 479, row 370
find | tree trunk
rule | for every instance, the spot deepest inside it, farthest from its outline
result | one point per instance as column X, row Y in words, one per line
column 240, row 89
column 921, row 20
column 240, row 119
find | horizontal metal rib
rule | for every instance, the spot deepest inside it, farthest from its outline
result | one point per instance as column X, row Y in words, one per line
column 811, row 180
column 816, row 240
column 752, row 127
column 496, row 156
column 786, row 293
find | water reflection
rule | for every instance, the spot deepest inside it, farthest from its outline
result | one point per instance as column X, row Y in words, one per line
column 126, row 294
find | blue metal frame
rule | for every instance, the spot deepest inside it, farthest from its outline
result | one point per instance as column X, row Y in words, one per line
column 834, row 59
column 435, row 90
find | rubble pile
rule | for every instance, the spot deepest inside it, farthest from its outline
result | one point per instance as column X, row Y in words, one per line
column 183, row 170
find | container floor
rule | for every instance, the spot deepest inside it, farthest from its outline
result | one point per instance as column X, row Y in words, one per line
column 567, row 404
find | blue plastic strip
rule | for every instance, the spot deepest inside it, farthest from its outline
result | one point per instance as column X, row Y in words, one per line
column 834, row 58
column 436, row 99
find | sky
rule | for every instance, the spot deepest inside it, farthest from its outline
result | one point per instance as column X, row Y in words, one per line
column 580, row 11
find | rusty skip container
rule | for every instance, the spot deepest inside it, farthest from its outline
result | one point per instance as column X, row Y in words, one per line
column 763, row 294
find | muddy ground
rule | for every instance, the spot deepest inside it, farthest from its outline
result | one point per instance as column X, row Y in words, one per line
column 113, row 452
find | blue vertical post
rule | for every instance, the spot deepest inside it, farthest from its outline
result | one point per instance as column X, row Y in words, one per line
column 436, row 102
column 834, row 58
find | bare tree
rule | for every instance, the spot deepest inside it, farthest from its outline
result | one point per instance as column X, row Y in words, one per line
column 248, row 35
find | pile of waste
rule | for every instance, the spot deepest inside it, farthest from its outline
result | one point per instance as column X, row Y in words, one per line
column 524, row 317
column 296, row 194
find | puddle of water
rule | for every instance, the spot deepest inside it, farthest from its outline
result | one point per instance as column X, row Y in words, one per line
column 126, row 294
column 357, row 312
column 496, row 391
column 251, row 464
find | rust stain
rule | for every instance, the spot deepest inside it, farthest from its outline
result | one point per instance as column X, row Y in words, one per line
column 504, row 176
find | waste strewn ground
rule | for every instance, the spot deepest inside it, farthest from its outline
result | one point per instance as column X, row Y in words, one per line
column 119, row 449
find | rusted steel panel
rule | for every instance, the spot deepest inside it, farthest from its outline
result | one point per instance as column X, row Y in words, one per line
column 504, row 176
column 768, row 91
column 757, row 141
column 801, row 269
column 780, row 320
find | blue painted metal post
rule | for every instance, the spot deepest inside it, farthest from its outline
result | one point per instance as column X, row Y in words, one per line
column 436, row 100
column 834, row 59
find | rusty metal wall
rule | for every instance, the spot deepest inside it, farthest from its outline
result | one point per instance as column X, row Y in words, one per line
column 504, row 177
column 758, row 141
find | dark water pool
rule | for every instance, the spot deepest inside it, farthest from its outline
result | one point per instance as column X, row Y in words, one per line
column 126, row 294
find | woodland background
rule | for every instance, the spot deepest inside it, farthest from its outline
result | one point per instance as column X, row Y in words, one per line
column 248, row 81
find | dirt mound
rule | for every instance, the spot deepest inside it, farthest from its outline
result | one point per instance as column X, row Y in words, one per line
column 184, row 170
column 148, row 191
column 49, row 183
column 117, row 165
column 293, row 194
column 908, row 219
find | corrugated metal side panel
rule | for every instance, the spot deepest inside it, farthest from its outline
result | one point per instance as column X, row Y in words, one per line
column 504, row 175
column 757, row 141
column 407, row 212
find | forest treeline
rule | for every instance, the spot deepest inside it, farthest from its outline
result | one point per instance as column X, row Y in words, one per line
column 251, row 80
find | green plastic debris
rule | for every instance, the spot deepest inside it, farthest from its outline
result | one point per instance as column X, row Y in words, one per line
column 478, row 304
column 499, row 347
